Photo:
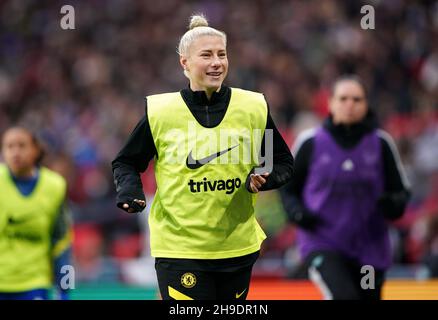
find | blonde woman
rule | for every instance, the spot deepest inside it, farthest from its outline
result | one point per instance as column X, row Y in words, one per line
column 203, row 231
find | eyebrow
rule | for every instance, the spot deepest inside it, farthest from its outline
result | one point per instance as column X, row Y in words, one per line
column 210, row 50
column 355, row 98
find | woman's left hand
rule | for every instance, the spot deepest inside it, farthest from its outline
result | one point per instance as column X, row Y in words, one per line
column 257, row 181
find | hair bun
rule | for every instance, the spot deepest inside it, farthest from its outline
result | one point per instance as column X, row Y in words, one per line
column 198, row 20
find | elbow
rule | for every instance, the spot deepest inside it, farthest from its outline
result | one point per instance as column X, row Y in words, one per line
column 286, row 175
column 115, row 164
column 393, row 214
column 289, row 172
column 393, row 206
column 286, row 169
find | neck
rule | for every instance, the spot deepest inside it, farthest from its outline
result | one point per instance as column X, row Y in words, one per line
column 25, row 173
column 208, row 91
column 338, row 122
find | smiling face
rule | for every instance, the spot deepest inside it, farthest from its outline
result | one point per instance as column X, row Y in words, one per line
column 348, row 103
column 19, row 151
column 206, row 64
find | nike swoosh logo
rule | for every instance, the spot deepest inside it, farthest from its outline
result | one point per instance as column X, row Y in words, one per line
column 13, row 221
column 239, row 295
column 195, row 164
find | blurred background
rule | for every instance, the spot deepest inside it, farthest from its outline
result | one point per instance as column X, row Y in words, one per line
column 83, row 92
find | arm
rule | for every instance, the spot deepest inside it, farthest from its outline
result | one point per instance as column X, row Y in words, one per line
column 291, row 193
column 61, row 251
column 130, row 161
column 283, row 163
column 396, row 193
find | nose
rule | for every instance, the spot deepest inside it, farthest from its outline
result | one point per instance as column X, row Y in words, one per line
column 216, row 61
column 14, row 153
column 350, row 103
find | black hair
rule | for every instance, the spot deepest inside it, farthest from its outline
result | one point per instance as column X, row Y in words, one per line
column 349, row 77
column 35, row 140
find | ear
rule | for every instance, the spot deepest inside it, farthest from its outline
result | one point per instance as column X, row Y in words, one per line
column 330, row 103
column 183, row 62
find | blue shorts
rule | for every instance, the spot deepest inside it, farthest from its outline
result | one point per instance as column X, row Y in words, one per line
column 37, row 294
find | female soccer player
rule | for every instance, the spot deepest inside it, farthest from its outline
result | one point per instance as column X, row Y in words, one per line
column 349, row 182
column 204, row 234
column 34, row 229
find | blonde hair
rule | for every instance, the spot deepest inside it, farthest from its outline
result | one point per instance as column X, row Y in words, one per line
column 198, row 27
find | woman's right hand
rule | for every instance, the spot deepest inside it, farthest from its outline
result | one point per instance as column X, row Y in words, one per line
column 304, row 218
column 135, row 206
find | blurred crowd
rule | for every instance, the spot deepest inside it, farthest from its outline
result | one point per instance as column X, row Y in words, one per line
column 83, row 91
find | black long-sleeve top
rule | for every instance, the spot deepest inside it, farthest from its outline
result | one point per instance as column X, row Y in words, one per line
column 140, row 148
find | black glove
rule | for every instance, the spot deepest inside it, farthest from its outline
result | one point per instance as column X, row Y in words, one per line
column 304, row 218
column 393, row 205
column 127, row 195
column 132, row 205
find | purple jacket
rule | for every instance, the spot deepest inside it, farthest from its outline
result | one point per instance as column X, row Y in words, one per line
column 342, row 188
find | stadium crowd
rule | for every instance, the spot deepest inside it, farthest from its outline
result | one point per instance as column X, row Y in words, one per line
column 82, row 91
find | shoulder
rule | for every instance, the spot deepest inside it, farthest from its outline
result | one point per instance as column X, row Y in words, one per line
column 53, row 178
column 304, row 140
column 159, row 104
column 2, row 168
column 163, row 97
column 386, row 140
column 248, row 93
column 254, row 102
column 3, row 172
column 391, row 155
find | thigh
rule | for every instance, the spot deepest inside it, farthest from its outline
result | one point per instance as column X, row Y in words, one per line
column 185, row 284
column 233, row 285
column 333, row 275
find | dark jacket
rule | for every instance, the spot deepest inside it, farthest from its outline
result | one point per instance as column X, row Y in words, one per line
column 396, row 190
column 140, row 148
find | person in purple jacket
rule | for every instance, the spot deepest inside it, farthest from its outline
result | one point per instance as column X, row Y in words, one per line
column 348, row 184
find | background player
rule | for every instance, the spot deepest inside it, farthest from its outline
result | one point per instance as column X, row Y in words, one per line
column 348, row 183
column 35, row 234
